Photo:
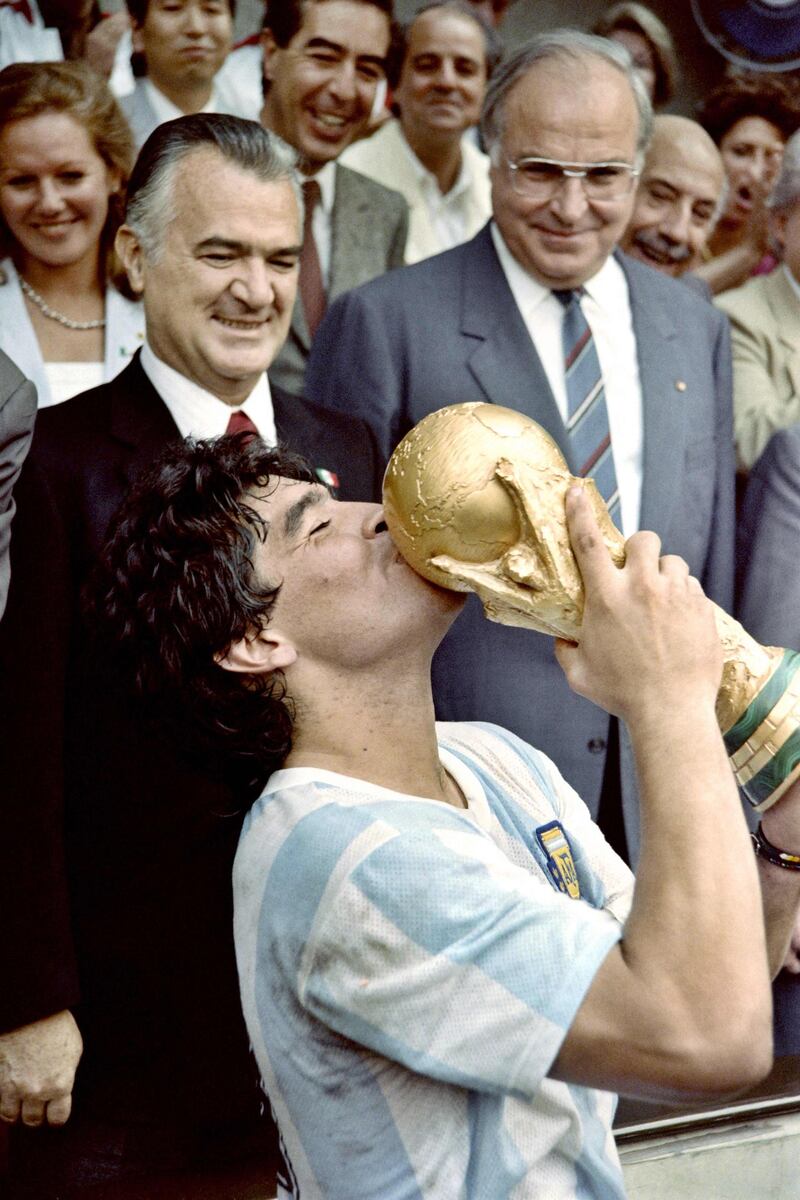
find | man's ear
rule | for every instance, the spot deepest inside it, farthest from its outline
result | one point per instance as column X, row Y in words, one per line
column 258, row 654
column 137, row 38
column 268, row 48
column 777, row 227
column 129, row 249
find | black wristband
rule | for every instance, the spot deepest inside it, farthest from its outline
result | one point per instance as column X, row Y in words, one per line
column 779, row 858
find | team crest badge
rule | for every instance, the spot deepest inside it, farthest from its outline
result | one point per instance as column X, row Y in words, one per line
column 560, row 863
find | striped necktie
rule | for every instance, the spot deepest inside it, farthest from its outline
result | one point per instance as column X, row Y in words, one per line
column 587, row 415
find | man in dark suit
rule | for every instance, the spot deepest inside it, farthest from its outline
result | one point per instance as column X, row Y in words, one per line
column 512, row 317
column 17, row 413
column 322, row 67
column 116, row 844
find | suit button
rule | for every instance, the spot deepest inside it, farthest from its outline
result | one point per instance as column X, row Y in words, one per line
column 596, row 745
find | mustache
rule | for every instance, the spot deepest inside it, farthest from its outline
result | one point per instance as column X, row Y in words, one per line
column 662, row 247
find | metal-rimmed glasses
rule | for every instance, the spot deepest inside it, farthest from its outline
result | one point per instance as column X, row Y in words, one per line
column 541, row 178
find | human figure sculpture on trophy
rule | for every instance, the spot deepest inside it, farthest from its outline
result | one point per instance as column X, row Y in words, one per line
column 474, row 498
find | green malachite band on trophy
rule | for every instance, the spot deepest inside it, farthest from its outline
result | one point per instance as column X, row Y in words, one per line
column 757, row 712
column 773, row 774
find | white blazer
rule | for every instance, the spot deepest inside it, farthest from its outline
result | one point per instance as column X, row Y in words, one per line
column 386, row 158
column 124, row 333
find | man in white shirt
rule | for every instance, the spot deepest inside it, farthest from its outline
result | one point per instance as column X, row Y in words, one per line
column 181, row 44
column 323, row 61
column 448, row 56
column 118, row 847
column 511, row 317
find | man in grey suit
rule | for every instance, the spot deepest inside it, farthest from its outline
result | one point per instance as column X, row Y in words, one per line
column 535, row 305
column 323, row 62
column 17, row 413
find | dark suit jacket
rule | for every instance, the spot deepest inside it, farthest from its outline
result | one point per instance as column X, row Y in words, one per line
column 369, row 227
column 115, row 852
column 448, row 330
column 17, row 414
column 768, row 545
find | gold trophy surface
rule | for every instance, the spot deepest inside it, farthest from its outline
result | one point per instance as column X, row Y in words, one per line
column 474, row 498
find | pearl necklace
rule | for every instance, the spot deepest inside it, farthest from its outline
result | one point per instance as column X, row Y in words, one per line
column 53, row 315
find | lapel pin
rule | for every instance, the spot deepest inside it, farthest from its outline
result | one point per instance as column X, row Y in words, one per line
column 680, row 385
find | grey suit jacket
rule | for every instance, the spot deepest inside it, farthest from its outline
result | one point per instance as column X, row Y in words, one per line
column 17, row 414
column 448, row 330
column 768, row 544
column 369, row 227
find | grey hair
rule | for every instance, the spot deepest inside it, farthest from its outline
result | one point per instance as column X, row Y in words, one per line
column 562, row 44
column 786, row 191
column 150, row 204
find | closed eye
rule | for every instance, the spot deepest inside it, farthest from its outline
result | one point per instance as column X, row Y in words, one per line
column 318, row 528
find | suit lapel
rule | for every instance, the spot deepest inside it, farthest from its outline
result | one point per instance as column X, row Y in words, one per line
column 504, row 361
column 664, row 402
column 139, row 418
column 351, row 234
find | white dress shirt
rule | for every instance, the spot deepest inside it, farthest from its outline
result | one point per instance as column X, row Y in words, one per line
column 607, row 309
column 198, row 413
column 446, row 210
column 165, row 110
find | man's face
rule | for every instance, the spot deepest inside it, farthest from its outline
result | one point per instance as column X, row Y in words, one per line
column 185, row 42
column 444, row 75
column 218, row 297
column 575, row 114
column 676, row 203
column 347, row 599
column 322, row 85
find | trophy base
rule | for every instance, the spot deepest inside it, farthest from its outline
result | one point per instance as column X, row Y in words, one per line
column 764, row 743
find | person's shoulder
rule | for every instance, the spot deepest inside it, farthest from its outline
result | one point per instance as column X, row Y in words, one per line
column 360, row 188
column 11, row 377
column 302, row 409
column 685, row 307
column 750, row 298
column 436, row 276
column 782, row 455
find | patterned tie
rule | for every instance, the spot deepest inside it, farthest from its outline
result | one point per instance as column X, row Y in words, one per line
column 587, row 415
column 240, row 423
column 312, row 289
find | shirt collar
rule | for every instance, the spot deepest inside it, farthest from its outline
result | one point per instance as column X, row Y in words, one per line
column 165, row 110
column 200, row 414
column 428, row 179
column 606, row 288
column 326, row 178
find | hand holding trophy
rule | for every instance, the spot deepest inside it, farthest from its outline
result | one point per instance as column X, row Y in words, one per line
column 474, row 499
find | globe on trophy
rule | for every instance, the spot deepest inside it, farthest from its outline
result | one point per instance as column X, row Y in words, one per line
column 474, row 498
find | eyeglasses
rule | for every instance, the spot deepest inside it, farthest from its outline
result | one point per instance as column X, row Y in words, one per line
column 541, row 178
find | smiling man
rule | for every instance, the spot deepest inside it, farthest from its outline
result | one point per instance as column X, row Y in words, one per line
column 678, row 199
column 323, row 61
column 432, row 936
column 627, row 370
column 117, row 847
column 448, row 56
column 182, row 44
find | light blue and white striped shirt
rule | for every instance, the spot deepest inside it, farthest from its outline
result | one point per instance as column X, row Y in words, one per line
column 409, row 971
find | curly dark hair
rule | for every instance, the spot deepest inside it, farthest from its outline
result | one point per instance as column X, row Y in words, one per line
column 749, row 96
column 176, row 585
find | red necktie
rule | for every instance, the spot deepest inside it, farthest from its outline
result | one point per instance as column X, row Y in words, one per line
column 20, row 6
column 240, row 423
column 312, row 289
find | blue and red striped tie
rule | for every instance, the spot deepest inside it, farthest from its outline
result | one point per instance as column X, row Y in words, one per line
column 587, row 414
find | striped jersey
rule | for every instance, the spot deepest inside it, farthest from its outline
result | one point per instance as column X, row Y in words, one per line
column 409, row 971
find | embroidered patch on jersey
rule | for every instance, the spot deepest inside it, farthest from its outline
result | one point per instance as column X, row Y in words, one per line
column 329, row 478
column 560, row 863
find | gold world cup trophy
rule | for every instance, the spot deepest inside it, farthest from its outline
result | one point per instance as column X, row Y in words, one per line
column 474, row 498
